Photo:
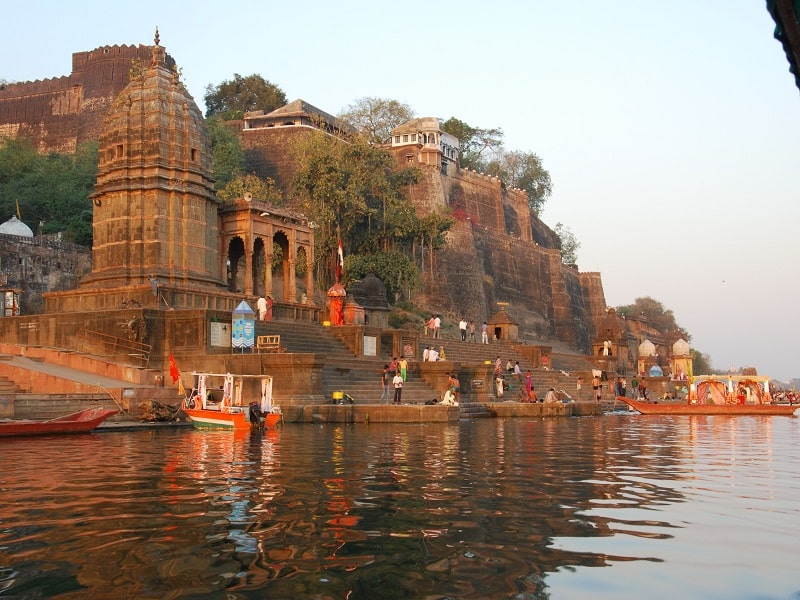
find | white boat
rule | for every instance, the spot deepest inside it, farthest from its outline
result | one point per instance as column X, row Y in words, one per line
column 228, row 400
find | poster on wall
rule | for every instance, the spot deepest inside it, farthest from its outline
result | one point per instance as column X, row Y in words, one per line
column 243, row 327
column 220, row 335
column 370, row 345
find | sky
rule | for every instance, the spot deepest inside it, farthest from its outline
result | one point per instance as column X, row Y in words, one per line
column 670, row 129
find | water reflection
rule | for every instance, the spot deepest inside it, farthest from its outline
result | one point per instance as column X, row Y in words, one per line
column 481, row 509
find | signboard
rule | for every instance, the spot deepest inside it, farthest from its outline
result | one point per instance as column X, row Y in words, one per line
column 370, row 345
column 220, row 335
column 243, row 327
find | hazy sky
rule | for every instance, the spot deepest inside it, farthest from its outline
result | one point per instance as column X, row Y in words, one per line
column 671, row 130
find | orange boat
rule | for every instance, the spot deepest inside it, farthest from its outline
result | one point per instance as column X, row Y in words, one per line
column 719, row 395
column 219, row 400
column 82, row 421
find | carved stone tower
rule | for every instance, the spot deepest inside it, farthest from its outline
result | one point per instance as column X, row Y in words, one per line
column 155, row 213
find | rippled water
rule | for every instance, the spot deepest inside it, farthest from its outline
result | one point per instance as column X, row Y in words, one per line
column 620, row 506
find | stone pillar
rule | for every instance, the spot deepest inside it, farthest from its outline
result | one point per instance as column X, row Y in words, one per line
column 248, row 269
column 268, row 268
column 291, row 294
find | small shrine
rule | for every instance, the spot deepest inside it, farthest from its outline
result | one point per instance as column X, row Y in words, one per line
column 501, row 327
column 370, row 294
column 647, row 356
column 681, row 360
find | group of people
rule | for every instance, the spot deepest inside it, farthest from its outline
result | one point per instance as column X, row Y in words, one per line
column 433, row 327
column 393, row 377
column 431, row 354
column 264, row 308
column 617, row 387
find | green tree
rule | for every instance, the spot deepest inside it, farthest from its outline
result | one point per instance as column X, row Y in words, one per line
column 52, row 191
column 260, row 189
column 375, row 118
column 395, row 269
column 569, row 244
column 354, row 192
column 701, row 363
column 523, row 170
column 232, row 98
column 226, row 151
column 477, row 145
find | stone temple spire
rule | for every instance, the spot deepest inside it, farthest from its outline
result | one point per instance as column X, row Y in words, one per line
column 159, row 55
column 155, row 211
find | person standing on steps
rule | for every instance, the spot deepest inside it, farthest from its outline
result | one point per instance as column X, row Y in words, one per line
column 472, row 331
column 462, row 328
column 262, row 308
column 385, row 381
column 397, row 382
column 437, row 326
column 403, row 365
column 484, row 333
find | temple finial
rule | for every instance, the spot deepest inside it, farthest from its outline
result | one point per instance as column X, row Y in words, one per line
column 157, row 38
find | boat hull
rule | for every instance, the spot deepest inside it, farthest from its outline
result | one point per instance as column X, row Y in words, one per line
column 678, row 408
column 80, row 422
column 215, row 419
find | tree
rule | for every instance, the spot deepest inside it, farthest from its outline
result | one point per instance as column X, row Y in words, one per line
column 226, row 151
column 394, row 269
column 476, row 145
column 232, row 98
column 523, row 170
column 242, row 184
column 375, row 118
column 701, row 363
column 569, row 244
column 354, row 192
column 52, row 191
column 661, row 318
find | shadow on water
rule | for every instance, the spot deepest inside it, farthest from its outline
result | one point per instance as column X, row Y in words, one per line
column 489, row 508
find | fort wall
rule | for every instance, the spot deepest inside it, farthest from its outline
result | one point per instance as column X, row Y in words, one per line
column 59, row 113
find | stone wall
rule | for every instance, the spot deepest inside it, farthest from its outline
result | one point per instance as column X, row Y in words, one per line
column 41, row 264
column 59, row 113
column 498, row 252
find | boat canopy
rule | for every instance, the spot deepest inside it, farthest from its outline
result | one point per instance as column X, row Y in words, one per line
column 229, row 389
column 731, row 389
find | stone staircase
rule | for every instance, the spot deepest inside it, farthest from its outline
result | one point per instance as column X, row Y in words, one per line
column 7, row 386
column 358, row 377
column 472, row 353
column 49, row 406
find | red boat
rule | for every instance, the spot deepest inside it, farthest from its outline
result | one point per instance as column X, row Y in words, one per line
column 719, row 395
column 82, row 421
column 684, row 408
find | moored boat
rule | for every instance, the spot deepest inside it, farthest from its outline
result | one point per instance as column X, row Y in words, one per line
column 82, row 421
column 719, row 395
column 231, row 401
column 684, row 408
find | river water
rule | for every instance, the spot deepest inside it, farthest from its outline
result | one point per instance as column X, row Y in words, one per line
column 618, row 506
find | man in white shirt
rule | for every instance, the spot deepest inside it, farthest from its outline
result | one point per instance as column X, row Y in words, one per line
column 462, row 327
column 261, row 305
column 397, row 382
column 437, row 326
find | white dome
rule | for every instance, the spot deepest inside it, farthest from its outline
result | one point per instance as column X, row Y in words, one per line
column 680, row 348
column 15, row 227
column 647, row 348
